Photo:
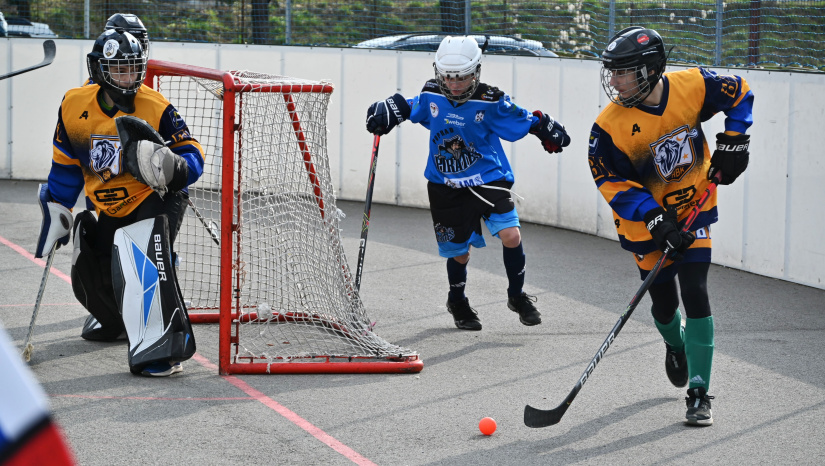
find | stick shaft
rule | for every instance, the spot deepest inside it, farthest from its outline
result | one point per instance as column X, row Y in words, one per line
column 365, row 223
column 43, row 281
column 212, row 232
column 48, row 57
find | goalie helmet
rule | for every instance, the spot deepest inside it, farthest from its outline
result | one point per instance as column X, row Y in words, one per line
column 458, row 67
column 632, row 64
column 131, row 24
column 118, row 65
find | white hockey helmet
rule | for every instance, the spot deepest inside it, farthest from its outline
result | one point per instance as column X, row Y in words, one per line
column 458, row 57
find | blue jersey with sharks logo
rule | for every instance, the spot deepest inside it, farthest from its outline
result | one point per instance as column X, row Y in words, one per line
column 644, row 157
column 465, row 140
column 86, row 150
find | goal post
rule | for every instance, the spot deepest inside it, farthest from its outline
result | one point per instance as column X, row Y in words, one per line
column 259, row 251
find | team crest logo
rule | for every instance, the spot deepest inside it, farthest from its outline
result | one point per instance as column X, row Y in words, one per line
column 479, row 116
column 442, row 233
column 455, row 156
column 177, row 120
column 674, row 155
column 110, row 48
column 433, row 109
column 594, row 142
column 104, row 156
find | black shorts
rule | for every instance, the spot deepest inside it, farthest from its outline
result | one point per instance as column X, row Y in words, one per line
column 457, row 215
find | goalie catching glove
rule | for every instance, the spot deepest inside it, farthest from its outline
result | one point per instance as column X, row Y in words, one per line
column 730, row 157
column 148, row 159
column 550, row 132
column 384, row 115
column 56, row 225
column 664, row 228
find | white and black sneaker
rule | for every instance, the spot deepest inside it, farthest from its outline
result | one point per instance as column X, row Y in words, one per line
column 162, row 369
column 524, row 307
column 698, row 407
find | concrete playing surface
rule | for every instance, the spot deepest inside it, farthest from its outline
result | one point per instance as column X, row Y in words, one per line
column 768, row 374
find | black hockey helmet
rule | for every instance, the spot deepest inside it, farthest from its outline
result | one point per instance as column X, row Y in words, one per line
column 636, row 50
column 131, row 24
column 118, row 65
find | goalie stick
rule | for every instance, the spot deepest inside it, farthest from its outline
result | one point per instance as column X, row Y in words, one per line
column 211, row 227
column 28, row 348
column 49, row 50
column 365, row 224
column 534, row 417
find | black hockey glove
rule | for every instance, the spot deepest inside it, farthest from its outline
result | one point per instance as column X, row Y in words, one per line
column 148, row 159
column 550, row 132
column 730, row 157
column 664, row 228
column 385, row 115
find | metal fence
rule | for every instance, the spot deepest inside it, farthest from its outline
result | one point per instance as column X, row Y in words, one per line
column 774, row 34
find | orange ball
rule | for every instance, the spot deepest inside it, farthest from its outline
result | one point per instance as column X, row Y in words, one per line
column 487, row 426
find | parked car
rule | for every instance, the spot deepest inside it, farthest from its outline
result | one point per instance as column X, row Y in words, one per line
column 428, row 42
column 19, row 27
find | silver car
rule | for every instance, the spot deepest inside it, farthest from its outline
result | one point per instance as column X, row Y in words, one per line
column 429, row 42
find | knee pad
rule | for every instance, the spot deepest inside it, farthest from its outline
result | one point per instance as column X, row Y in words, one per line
column 148, row 296
column 91, row 281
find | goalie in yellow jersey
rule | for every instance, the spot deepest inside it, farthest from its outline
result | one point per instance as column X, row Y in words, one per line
column 650, row 160
column 132, row 152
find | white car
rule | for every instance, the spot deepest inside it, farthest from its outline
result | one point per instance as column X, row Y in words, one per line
column 19, row 27
column 429, row 42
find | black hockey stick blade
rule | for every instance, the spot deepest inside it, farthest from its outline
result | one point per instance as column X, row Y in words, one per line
column 540, row 418
column 49, row 50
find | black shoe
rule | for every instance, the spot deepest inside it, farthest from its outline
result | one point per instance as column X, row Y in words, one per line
column 93, row 331
column 698, row 407
column 676, row 366
column 527, row 312
column 465, row 316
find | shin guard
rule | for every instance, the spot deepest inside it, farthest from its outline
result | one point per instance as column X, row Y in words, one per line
column 148, row 295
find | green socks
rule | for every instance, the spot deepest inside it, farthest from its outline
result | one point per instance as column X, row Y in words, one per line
column 672, row 332
column 699, row 348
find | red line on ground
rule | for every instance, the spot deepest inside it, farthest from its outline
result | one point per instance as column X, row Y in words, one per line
column 41, row 304
column 40, row 262
column 291, row 416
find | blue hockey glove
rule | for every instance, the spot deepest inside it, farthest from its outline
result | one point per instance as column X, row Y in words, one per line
column 550, row 132
column 384, row 115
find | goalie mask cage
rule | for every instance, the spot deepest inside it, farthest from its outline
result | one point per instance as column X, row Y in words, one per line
column 260, row 249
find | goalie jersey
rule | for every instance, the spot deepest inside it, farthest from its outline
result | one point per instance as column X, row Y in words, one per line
column 465, row 140
column 643, row 157
column 86, row 150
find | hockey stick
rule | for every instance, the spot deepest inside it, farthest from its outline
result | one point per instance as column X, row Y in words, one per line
column 534, row 417
column 211, row 227
column 27, row 346
column 49, row 50
column 365, row 224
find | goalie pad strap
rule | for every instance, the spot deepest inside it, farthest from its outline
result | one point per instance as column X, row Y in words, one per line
column 148, row 296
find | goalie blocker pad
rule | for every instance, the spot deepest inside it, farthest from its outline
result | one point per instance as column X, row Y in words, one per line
column 146, row 288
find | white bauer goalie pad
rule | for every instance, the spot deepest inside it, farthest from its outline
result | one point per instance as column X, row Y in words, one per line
column 148, row 296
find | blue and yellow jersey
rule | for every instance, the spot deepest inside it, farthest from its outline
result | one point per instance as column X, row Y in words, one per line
column 86, row 150
column 643, row 157
column 465, row 140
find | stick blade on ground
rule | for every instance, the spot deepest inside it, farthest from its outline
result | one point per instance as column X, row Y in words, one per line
column 540, row 418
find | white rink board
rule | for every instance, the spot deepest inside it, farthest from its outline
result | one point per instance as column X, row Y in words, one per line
column 771, row 219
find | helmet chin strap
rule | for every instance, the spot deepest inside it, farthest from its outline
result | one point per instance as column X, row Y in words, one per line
column 125, row 104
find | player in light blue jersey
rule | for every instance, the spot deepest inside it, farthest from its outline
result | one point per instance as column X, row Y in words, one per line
column 468, row 175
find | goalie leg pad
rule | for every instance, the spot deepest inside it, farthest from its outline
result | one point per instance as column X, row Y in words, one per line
column 91, row 283
column 148, row 295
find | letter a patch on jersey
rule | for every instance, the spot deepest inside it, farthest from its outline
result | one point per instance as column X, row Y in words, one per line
column 674, row 154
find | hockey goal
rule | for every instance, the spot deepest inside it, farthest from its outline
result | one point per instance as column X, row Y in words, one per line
column 260, row 249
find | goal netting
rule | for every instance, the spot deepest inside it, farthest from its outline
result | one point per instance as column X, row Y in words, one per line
column 260, row 248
